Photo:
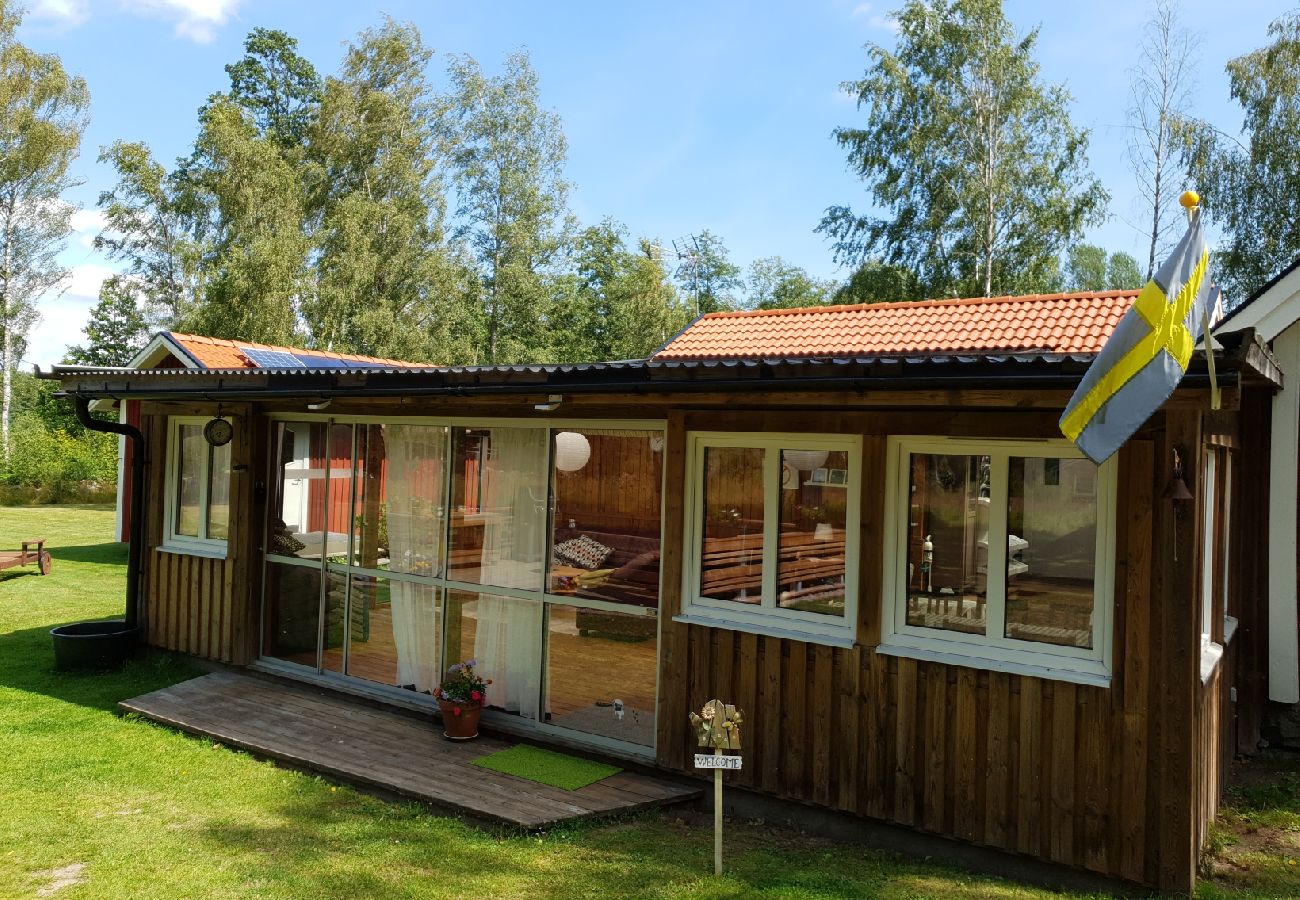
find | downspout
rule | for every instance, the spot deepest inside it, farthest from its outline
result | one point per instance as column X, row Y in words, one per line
column 135, row 548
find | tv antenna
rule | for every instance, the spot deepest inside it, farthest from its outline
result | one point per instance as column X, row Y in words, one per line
column 688, row 254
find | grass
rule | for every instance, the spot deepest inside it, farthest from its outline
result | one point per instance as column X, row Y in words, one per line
column 93, row 805
column 546, row 766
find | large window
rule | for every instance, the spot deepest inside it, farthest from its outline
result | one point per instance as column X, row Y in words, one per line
column 773, row 533
column 197, row 515
column 395, row 549
column 1000, row 553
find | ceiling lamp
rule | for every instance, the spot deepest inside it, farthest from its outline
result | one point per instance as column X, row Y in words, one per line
column 806, row 460
column 572, row 450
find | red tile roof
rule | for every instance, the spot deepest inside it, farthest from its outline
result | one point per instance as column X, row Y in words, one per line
column 219, row 353
column 1071, row 323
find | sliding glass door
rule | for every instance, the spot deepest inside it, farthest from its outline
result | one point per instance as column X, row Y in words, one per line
column 396, row 549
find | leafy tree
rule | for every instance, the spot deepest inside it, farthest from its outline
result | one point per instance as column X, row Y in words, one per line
column 117, row 329
column 877, row 282
column 388, row 283
column 621, row 303
column 279, row 88
column 1253, row 192
column 1160, row 95
column 707, row 275
column 1122, row 273
column 507, row 161
column 775, row 284
column 1089, row 268
column 976, row 161
column 150, row 218
column 42, row 116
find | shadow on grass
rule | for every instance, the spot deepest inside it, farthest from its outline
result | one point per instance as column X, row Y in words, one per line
column 27, row 664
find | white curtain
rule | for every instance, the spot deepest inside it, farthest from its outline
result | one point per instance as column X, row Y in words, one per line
column 413, row 538
column 508, row 634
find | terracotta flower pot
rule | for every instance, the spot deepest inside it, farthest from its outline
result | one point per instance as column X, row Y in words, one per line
column 460, row 720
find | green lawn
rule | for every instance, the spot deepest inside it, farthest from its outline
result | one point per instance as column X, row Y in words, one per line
column 94, row 805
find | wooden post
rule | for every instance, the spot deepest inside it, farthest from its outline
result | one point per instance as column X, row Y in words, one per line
column 717, row 816
column 1174, row 593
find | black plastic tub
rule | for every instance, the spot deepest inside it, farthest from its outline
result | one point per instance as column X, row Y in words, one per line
column 85, row 646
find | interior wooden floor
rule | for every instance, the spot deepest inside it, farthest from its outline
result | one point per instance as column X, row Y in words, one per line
column 586, row 673
column 400, row 753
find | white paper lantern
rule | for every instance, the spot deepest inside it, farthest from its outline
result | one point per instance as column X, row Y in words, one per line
column 807, row 460
column 572, row 450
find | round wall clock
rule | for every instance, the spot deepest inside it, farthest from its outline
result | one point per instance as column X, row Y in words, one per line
column 218, row 432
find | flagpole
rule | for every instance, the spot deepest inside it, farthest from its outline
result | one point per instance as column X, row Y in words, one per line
column 1191, row 201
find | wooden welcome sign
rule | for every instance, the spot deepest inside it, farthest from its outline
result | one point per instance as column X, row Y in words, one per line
column 717, row 726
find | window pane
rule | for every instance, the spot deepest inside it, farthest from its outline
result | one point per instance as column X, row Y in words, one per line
column 731, row 558
column 600, row 672
column 336, row 612
column 296, row 524
column 291, row 613
column 1051, row 550
column 814, row 515
column 947, row 542
column 338, row 499
column 219, row 494
column 394, row 632
column 397, row 520
column 606, row 536
column 189, row 479
column 504, row 636
column 499, row 503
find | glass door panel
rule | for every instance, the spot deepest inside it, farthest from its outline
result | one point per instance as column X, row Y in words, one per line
column 500, row 507
column 393, row 632
column 291, row 613
column 503, row 636
column 600, row 672
column 397, row 521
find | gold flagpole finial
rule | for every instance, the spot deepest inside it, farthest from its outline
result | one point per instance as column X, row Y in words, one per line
column 1189, row 200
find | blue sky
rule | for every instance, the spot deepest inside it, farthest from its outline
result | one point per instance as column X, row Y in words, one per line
column 679, row 116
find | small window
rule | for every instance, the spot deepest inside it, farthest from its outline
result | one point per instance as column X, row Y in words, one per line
column 999, row 555
column 198, row 489
column 772, row 539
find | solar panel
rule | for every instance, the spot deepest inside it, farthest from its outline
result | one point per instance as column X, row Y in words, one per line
column 272, row 359
column 333, row 362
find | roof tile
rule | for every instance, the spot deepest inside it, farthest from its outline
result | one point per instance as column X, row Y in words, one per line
column 219, row 353
column 1070, row 323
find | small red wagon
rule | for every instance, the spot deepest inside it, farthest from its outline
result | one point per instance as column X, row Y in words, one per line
column 12, row 559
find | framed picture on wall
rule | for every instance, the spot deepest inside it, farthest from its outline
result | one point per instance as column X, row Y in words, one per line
column 839, row 476
column 818, row 476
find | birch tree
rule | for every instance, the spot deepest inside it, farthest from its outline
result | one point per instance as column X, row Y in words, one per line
column 981, row 175
column 42, row 116
column 1160, row 95
column 507, row 158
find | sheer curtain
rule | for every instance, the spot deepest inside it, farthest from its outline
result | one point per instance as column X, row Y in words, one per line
column 413, row 543
column 508, row 636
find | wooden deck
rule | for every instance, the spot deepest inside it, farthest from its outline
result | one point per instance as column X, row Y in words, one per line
column 356, row 742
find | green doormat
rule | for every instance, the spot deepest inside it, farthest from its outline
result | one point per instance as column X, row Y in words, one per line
column 546, row 766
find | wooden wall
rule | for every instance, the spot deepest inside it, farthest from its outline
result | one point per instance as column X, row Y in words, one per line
column 198, row 604
column 1098, row 778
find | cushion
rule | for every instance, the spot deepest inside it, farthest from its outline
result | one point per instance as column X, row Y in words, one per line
column 643, row 569
column 584, row 552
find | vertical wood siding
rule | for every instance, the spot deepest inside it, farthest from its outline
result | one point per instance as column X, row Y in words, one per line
column 1072, row 773
column 196, row 604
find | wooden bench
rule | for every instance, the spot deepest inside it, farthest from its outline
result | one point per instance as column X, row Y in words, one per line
column 732, row 565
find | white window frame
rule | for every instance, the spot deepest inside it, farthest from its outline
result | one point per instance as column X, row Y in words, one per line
column 768, row 617
column 186, row 543
column 985, row 651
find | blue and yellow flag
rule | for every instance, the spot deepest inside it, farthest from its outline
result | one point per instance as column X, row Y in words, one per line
column 1147, row 354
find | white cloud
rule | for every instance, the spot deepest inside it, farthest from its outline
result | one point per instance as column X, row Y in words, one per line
column 88, row 223
column 87, row 279
column 874, row 19
column 197, row 20
column 63, row 318
column 69, row 13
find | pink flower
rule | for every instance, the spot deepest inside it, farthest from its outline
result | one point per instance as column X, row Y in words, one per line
column 455, row 710
column 475, row 696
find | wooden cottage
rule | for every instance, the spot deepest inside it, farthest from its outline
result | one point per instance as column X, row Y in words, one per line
column 858, row 524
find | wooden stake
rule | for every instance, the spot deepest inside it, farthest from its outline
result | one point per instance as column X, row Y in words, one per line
column 717, row 816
